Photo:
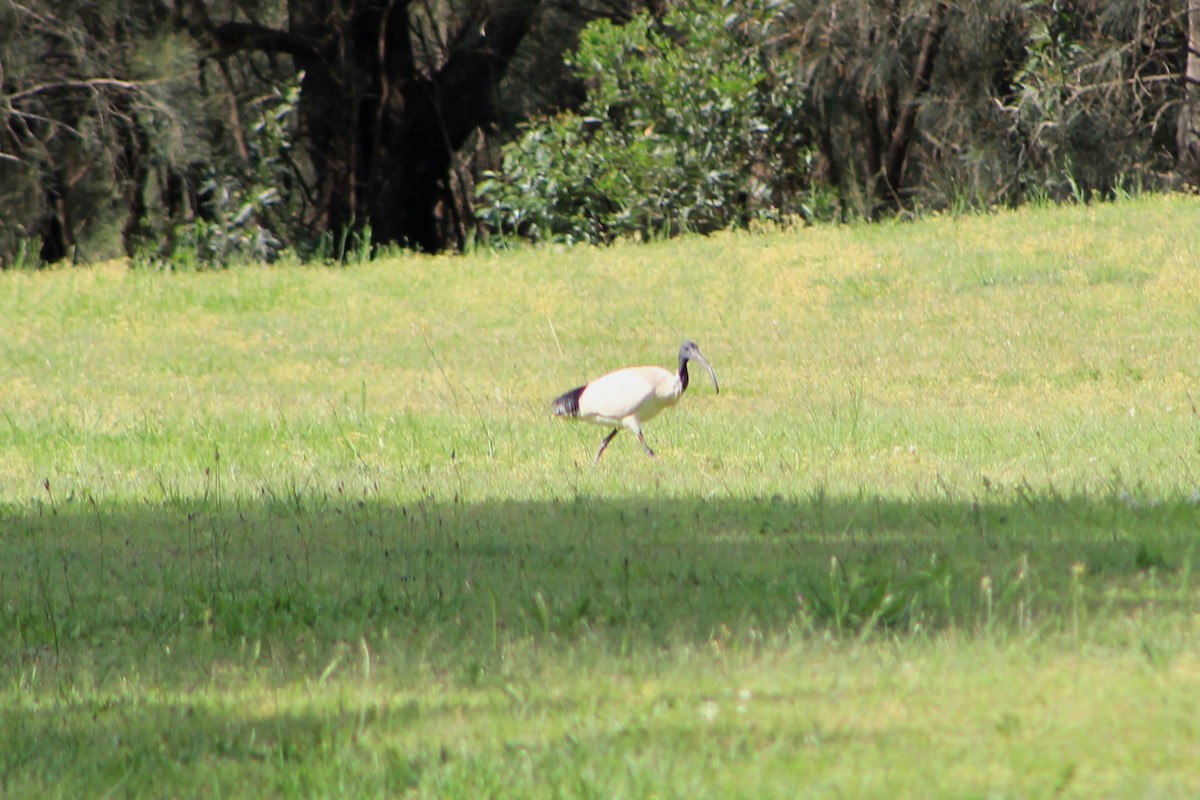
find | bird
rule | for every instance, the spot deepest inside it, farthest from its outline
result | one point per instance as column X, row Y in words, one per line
column 627, row 398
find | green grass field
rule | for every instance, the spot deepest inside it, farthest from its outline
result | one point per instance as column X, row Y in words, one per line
column 311, row 532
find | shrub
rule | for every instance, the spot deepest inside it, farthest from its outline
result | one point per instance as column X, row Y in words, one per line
column 240, row 214
column 686, row 127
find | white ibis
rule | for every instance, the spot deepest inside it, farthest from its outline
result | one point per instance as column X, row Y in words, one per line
column 631, row 396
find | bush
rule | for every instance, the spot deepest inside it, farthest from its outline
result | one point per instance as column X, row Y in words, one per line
column 240, row 214
column 686, row 127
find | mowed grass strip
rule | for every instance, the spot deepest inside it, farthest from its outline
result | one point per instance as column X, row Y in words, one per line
column 306, row 531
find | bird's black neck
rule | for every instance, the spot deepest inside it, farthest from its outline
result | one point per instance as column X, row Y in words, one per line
column 683, row 374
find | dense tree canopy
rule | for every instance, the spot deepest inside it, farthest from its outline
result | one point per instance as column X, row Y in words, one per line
column 190, row 131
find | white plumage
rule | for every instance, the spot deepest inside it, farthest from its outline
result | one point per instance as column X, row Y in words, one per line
column 629, row 397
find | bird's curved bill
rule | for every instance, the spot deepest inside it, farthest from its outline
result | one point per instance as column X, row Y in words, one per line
column 704, row 363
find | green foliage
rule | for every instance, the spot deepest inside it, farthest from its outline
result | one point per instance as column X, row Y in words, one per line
column 24, row 255
column 682, row 130
column 350, row 246
column 857, row 603
column 119, row 135
column 241, row 216
column 1088, row 112
column 70, row 110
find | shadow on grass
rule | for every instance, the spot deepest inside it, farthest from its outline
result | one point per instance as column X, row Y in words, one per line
column 153, row 747
column 381, row 745
column 453, row 576
column 212, row 602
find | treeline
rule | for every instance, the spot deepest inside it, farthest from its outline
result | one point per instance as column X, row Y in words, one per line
column 198, row 132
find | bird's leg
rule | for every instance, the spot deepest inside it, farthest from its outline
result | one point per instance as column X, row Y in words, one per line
column 642, row 439
column 603, row 445
column 631, row 422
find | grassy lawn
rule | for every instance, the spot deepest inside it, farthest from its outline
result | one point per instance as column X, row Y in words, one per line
column 305, row 532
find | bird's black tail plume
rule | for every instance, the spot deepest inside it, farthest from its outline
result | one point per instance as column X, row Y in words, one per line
column 567, row 405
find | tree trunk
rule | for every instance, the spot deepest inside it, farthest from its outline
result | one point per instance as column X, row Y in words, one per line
column 413, row 201
column 889, row 108
column 382, row 128
column 55, row 231
column 904, row 122
column 1187, row 136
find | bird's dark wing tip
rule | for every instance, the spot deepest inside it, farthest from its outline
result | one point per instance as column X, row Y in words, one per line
column 567, row 404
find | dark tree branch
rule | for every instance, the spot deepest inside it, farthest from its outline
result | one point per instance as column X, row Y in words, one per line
column 905, row 124
column 479, row 56
column 90, row 84
column 1187, row 133
column 232, row 37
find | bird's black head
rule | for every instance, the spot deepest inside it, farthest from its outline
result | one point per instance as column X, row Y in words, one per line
column 690, row 351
